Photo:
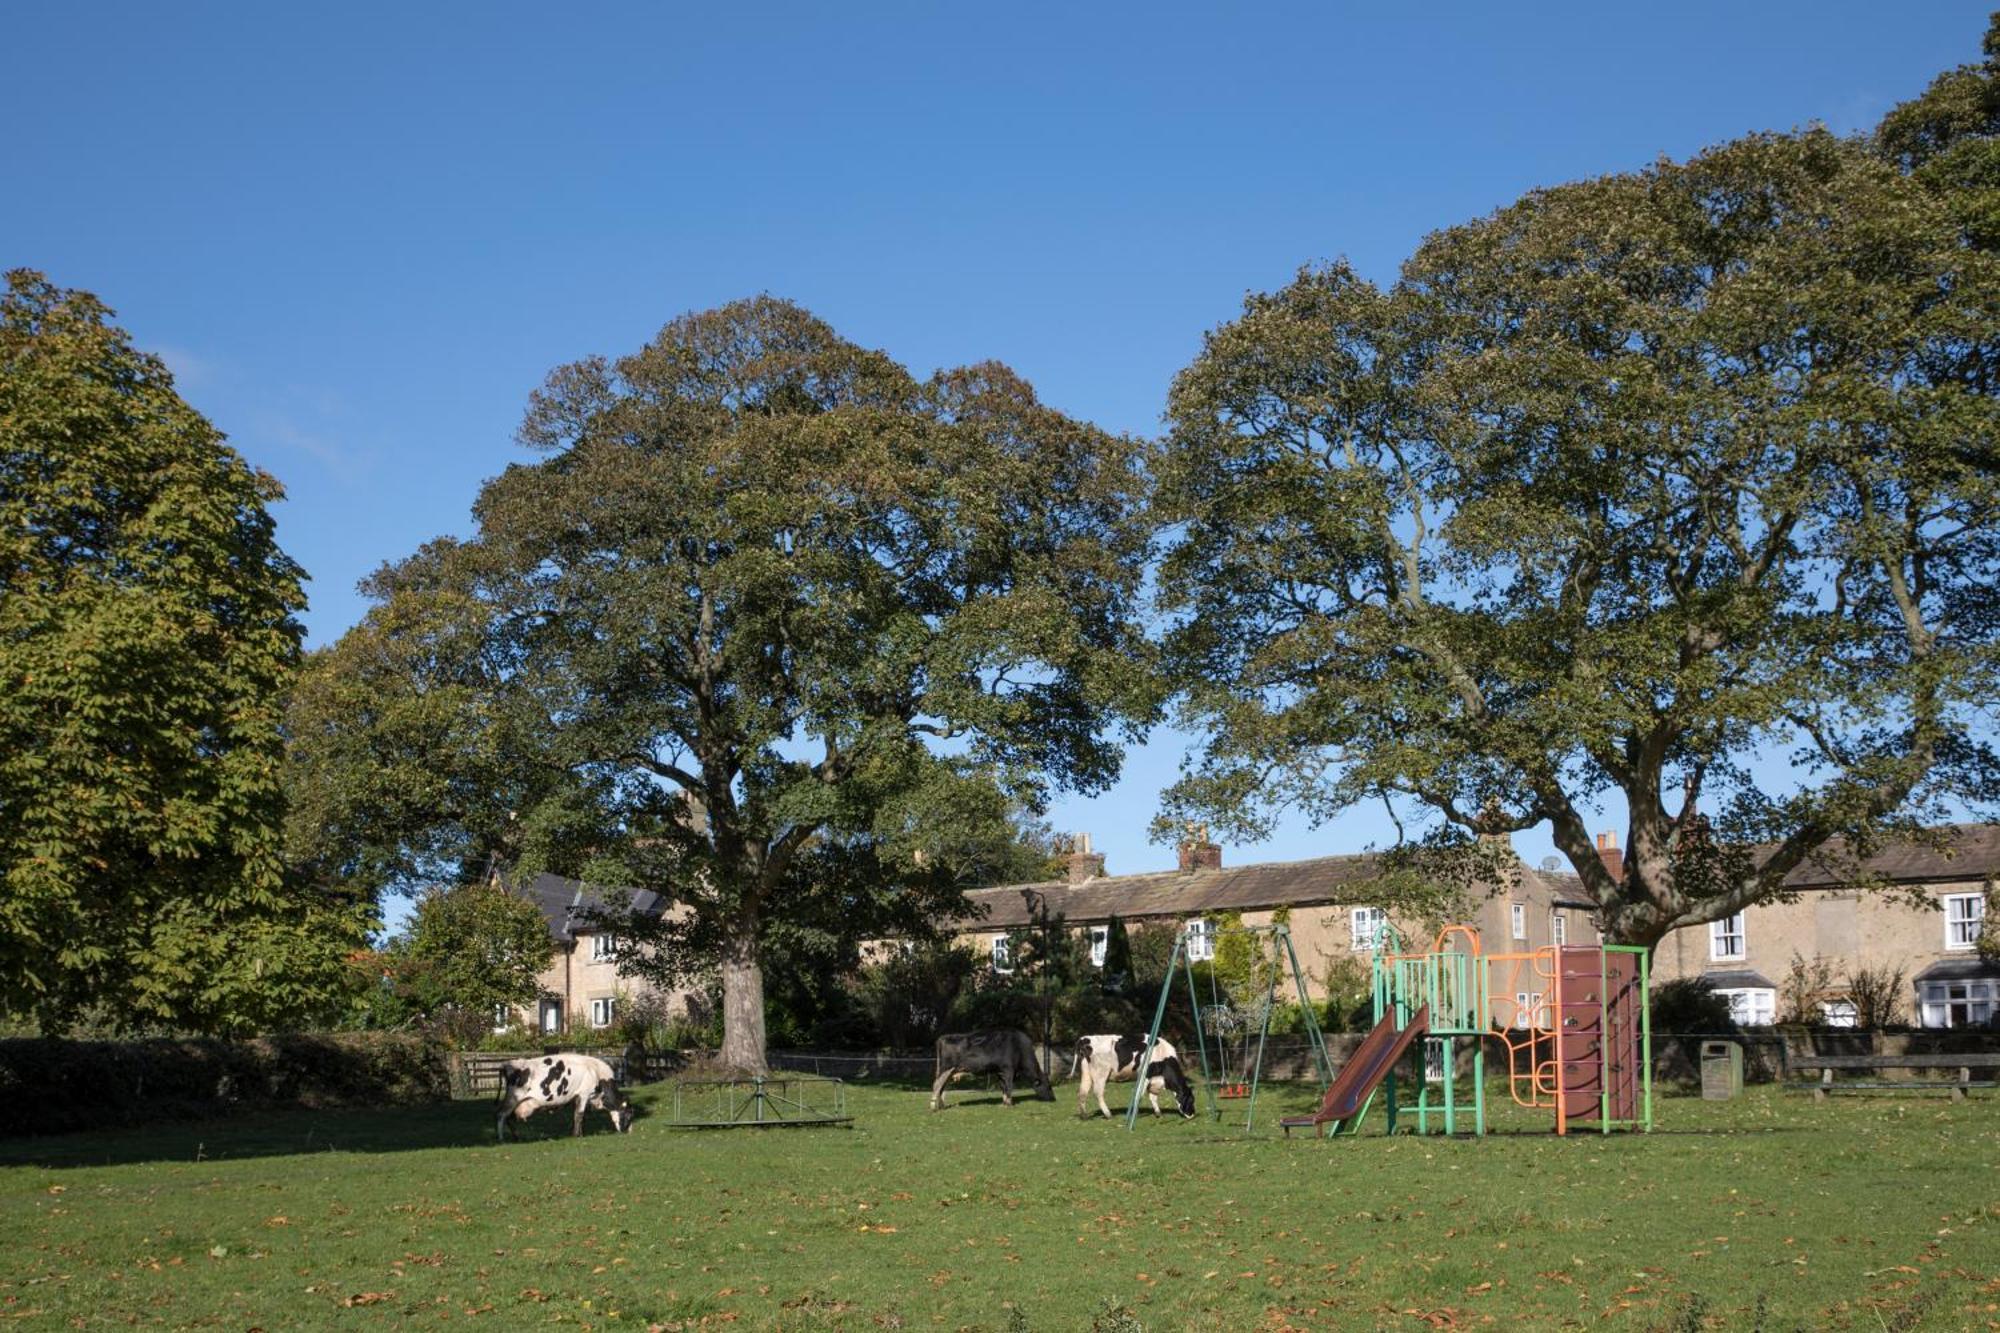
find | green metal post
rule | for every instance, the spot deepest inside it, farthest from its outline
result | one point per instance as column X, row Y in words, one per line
column 1315, row 1036
column 1450, row 1086
column 1479, row 1086
column 1646, row 1031
column 1159, row 1015
column 1200, row 1037
column 1263, row 1033
column 1605, row 1035
column 1482, row 1020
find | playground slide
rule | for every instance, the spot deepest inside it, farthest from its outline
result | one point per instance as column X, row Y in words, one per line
column 1368, row 1066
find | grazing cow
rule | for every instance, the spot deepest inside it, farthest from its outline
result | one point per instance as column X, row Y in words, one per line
column 1002, row 1051
column 1102, row 1058
column 526, row 1086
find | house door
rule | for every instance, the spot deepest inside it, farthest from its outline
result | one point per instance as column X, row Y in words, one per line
column 551, row 1015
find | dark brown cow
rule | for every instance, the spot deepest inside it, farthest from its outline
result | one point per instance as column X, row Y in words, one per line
column 1003, row 1051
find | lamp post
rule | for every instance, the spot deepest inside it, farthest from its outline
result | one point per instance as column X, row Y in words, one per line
column 1037, row 905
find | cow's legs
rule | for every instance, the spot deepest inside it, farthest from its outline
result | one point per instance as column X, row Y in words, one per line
column 1101, row 1082
column 576, row 1122
column 1083, row 1087
column 937, row 1089
column 1153, row 1097
column 1006, row 1087
column 500, row 1129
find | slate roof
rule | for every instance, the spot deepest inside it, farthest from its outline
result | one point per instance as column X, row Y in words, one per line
column 564, row 902
column 1970, row 851
column 1958, row 969
column 1741, row 978
column 1177, row 893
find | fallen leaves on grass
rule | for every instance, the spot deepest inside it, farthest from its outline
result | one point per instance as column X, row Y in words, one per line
column 367, row 1298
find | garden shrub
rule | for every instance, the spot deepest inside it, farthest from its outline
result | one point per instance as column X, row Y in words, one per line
column 49, row 1085
column 1690, row 1006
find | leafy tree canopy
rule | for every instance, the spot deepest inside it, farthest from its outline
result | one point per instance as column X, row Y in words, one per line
column 147, row 634
column 1949, row 139
column 471, row 949
column 409, row 763
column 805, row 631
column 1649, row 484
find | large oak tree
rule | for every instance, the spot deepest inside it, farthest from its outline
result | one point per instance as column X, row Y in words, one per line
column 804, row 626
column 1655, row 484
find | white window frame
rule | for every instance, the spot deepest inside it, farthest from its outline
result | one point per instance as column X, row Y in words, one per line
column 1363, row 924
column 1530, row 1010
column 1979, row 997
column 1558, row 929
column 1839, row 1013
column 1964, row 915
column 1201, row 940
column 1751, row 1006
column 603, row 1011
column 1100, row 945
column 1518, row 919
column 503, row 1017
column 603, row 947
column 1003, row 954
column 1720, row 937
column 550, row 1016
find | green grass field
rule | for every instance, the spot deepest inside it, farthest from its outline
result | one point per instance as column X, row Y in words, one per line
column 1771, row 1211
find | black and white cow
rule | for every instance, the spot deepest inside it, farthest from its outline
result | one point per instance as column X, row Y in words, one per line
column 1002, row 1051
column 1108, row 1056
column 526, row 1086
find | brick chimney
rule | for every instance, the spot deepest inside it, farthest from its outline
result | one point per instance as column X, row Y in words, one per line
column 1197, row 852
column 1607, row 852
column 1084, row 864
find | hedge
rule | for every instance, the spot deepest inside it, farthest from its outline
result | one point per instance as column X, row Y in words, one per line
column 49, row 1085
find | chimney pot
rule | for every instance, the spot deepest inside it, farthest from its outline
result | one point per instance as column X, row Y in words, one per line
column 1084, row 864
column 1608, row 853
column 1197, row 852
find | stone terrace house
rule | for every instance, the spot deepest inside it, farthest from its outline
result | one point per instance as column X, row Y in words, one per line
column 1947, row 984
column 580, row 987
column 1326, row 898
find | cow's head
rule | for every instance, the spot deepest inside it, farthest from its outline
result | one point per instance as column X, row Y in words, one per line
column 1175, row 1081
column 614, row 1105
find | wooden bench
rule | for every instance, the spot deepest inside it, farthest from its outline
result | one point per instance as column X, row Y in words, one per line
column 1829, row 1065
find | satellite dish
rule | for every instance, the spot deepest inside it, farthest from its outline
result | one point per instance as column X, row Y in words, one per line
column 1552, row 863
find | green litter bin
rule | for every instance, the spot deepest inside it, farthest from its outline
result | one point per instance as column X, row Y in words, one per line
column 1721, row 1070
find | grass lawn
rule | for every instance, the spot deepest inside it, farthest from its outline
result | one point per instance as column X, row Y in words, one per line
column 1771, row 1211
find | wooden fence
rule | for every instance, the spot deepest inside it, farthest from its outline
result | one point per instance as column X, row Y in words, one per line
column 1767, row 1057
column 477, row 1073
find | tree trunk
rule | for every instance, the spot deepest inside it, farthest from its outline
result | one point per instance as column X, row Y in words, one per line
column 743, row 1001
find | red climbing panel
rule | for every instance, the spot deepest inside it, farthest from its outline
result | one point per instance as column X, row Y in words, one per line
column 1623, row 1043
column 1598, row 1017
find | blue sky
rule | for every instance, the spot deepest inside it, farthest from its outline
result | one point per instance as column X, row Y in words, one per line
column 362, row 233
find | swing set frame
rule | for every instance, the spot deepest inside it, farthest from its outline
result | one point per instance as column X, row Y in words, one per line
column 1277, row 950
